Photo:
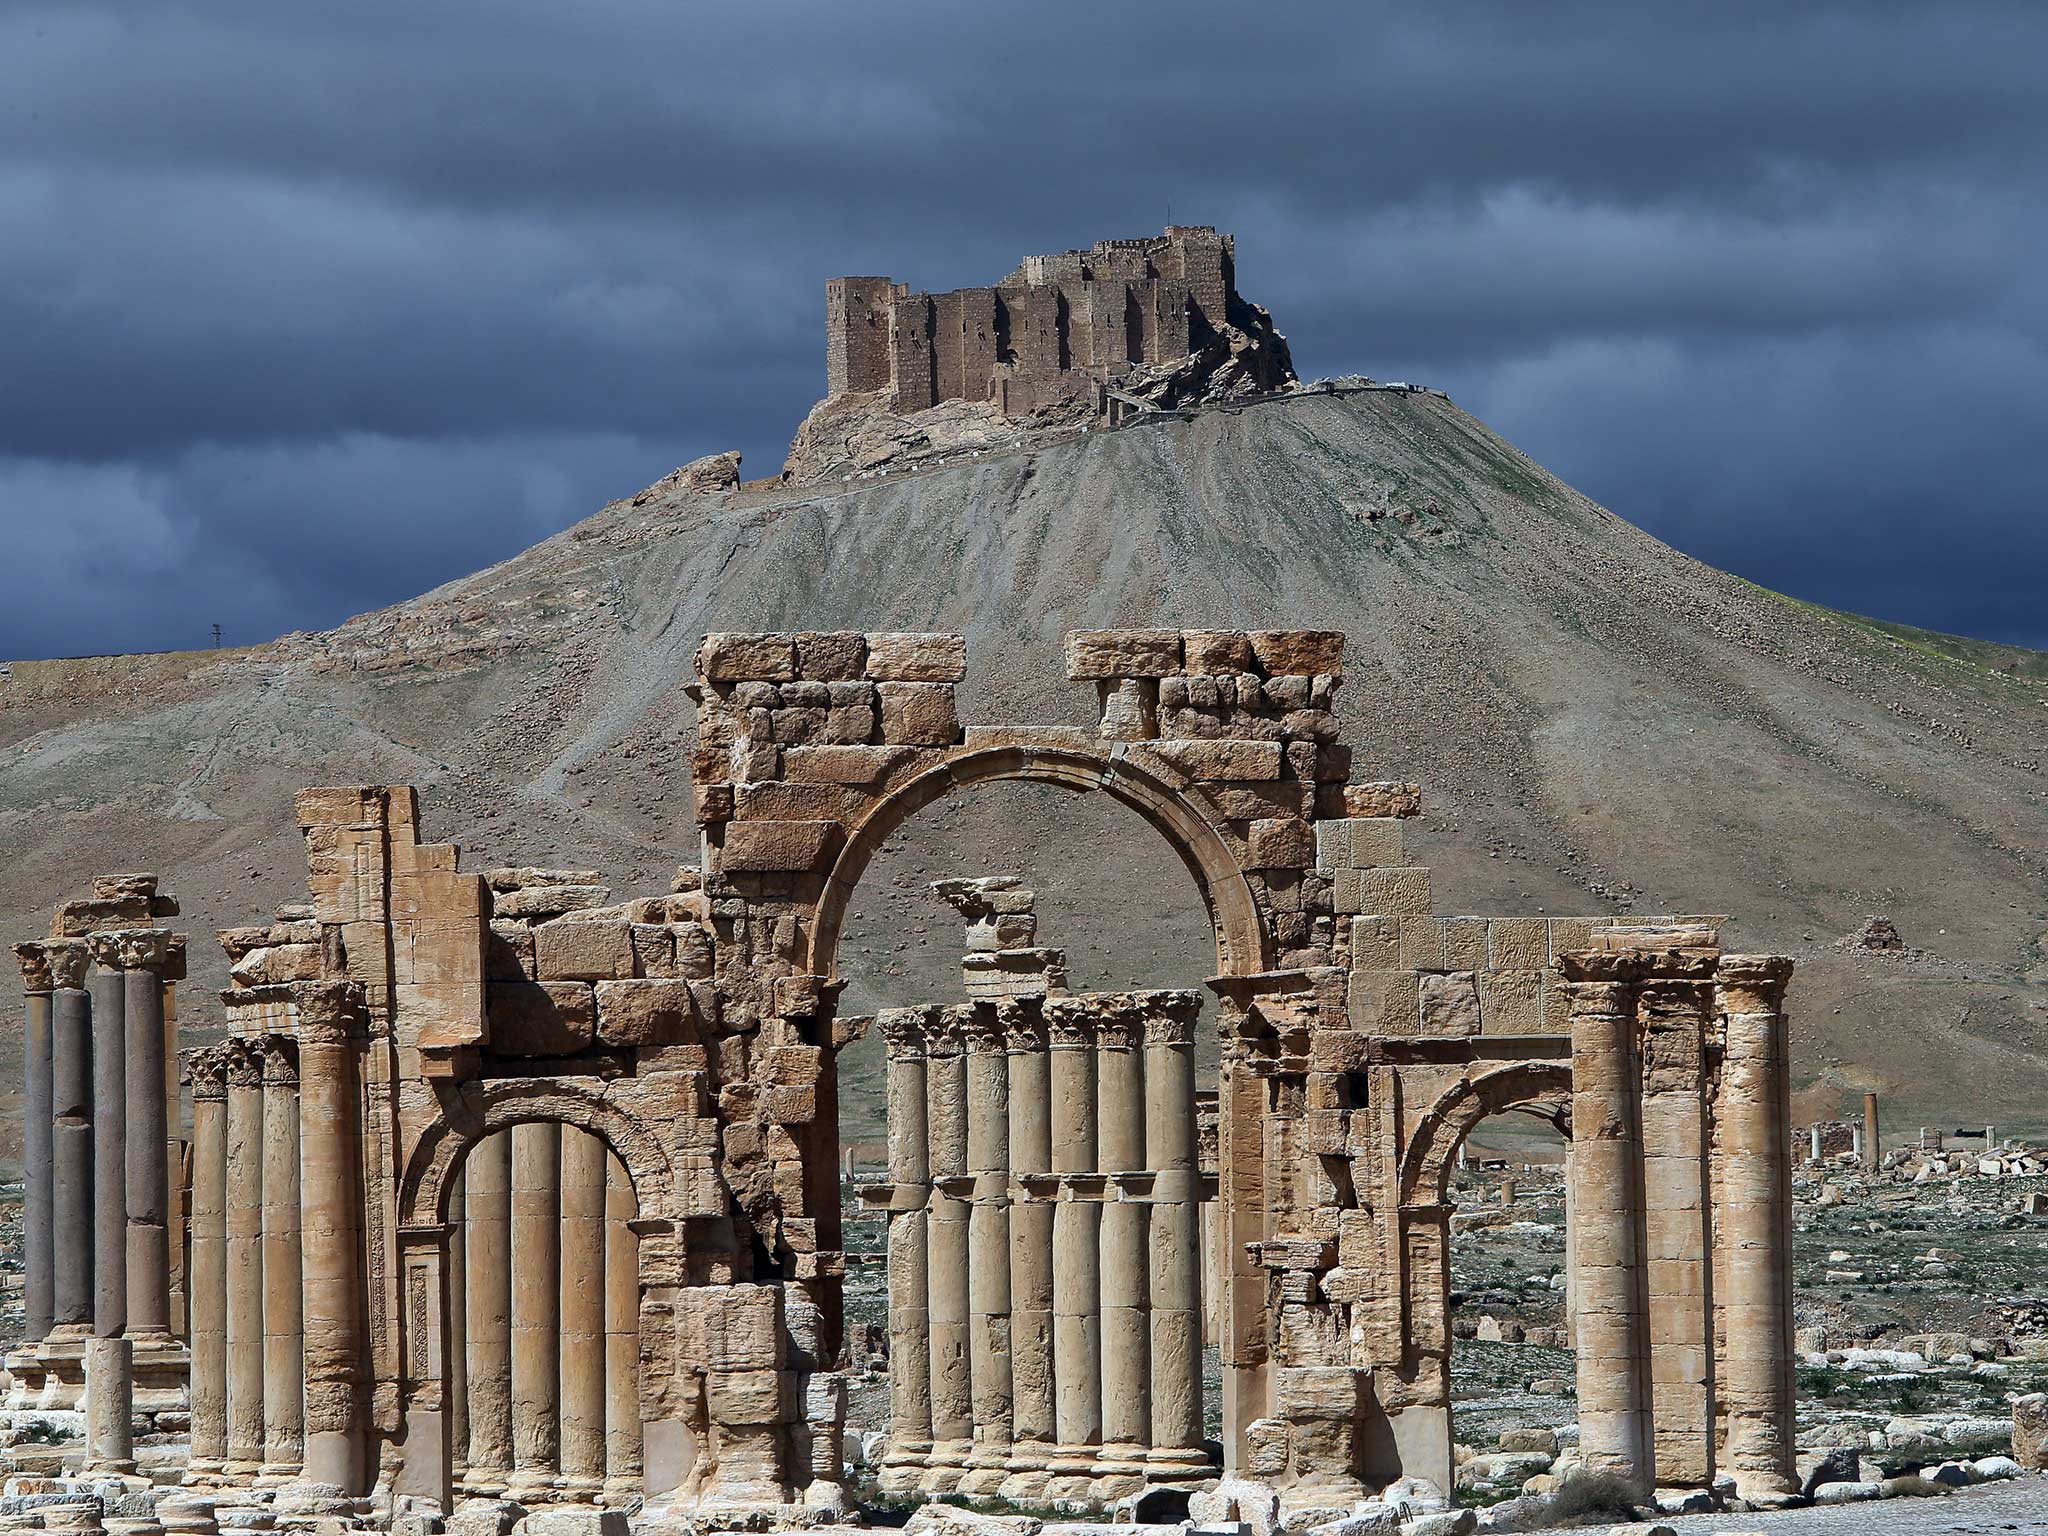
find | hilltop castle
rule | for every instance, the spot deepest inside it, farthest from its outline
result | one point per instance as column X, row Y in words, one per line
column 1058, row 332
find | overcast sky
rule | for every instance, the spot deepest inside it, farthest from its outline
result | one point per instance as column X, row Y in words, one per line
column 305, row 309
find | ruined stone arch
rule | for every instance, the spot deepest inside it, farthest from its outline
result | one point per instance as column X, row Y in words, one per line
column 1243, row 940
column 496, row 1104
column 1539, row 1087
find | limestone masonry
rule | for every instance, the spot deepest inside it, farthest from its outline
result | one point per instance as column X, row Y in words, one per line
column 1059, row 327
column 504, row 1200
column 1064, row 340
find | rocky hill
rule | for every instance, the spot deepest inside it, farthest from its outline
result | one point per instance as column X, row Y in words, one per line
column 1598, row 721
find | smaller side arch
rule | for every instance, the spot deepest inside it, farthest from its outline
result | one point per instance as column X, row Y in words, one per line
column 1532, row 1085
column 491, row 1105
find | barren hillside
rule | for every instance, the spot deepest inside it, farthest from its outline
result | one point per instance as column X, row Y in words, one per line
column 1597, row 720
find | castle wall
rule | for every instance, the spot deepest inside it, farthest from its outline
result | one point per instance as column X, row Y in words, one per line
column 913, row 361
column 1095, row 313
column 964, row 338
column 857, row 324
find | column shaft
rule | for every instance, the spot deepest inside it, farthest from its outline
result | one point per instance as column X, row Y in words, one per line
column 582, row 1347
column 988, row 1250
column 109, row 1145
column 1755, row 1274
column 487, row 1270
column 536, row 1306
column 147, row 1246
column 1172, row 1147
column 947, row 1253
column 1076, row 1249
column 109, row 1406
column 1034, row 1421
column 245, row 1258
column 330, row 1206
column 207, row 1285
column 38, row 1281
column 457, row 1363
column 284, row 1343
column 1607, row 1241
column 71, row 1160
column 624, row 1457
column 1676, row 1229
column 1126, row 1301
column 910, row 1371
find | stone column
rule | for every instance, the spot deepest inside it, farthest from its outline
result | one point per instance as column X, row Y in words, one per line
column 1076, row 1252
column 583, row 1292
column 1034, row 1423
column 71, row 1160
column 109, row 1356
column 38, row 1281
column 456, row 1366
column 952, row 1367
column 910, row 1371
column 109, row 1139
column 284, row 1343
column 331, row 1025
column 1172, row 1148
column 487, row 1271
column 1675, row 1004
column 207, row 1284
column 1871, row 1151
column 1607, row 1218
column 624, row 1457
column 109, row 1407
column 143, row 953
column 1755, row 1276
column 1126, row 1305
column 536, row 1308
column 988, row 1249
column 245, row 1258
column 71, row 1150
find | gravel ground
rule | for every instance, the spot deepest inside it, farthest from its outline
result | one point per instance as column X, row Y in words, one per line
column 1974, row 1511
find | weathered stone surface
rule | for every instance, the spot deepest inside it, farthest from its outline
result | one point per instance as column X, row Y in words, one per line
column 918, row 714
column 916, row 658
column 768, row 846
column 1299, row 652
column 554, row 1018
column 1249, row 761
column 731, row 658
column 1106, row 653
column 569, row 949
column 647, row 1011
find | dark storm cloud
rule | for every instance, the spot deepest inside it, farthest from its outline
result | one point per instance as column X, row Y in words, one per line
column 292, row 292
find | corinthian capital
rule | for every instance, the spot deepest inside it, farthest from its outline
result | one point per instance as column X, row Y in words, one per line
column 34, row 959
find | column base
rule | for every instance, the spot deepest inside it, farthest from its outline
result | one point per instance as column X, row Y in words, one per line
column 483, row 1482
column 1026, row 1486
column 1172, row 1465
column 276, row 1474
column 62, row 1358
column 982, row 1481
column 1119, row 1471
column 25, row 1376
column 163, row 1373
column 578, row 1489
column 530, row 1485
column 623, row 1490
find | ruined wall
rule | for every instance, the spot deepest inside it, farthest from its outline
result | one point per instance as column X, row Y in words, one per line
column 857, row 324
column 695, row 1032
column 1047, row 332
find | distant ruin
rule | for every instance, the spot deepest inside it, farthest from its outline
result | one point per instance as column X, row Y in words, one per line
column 1057, row 330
